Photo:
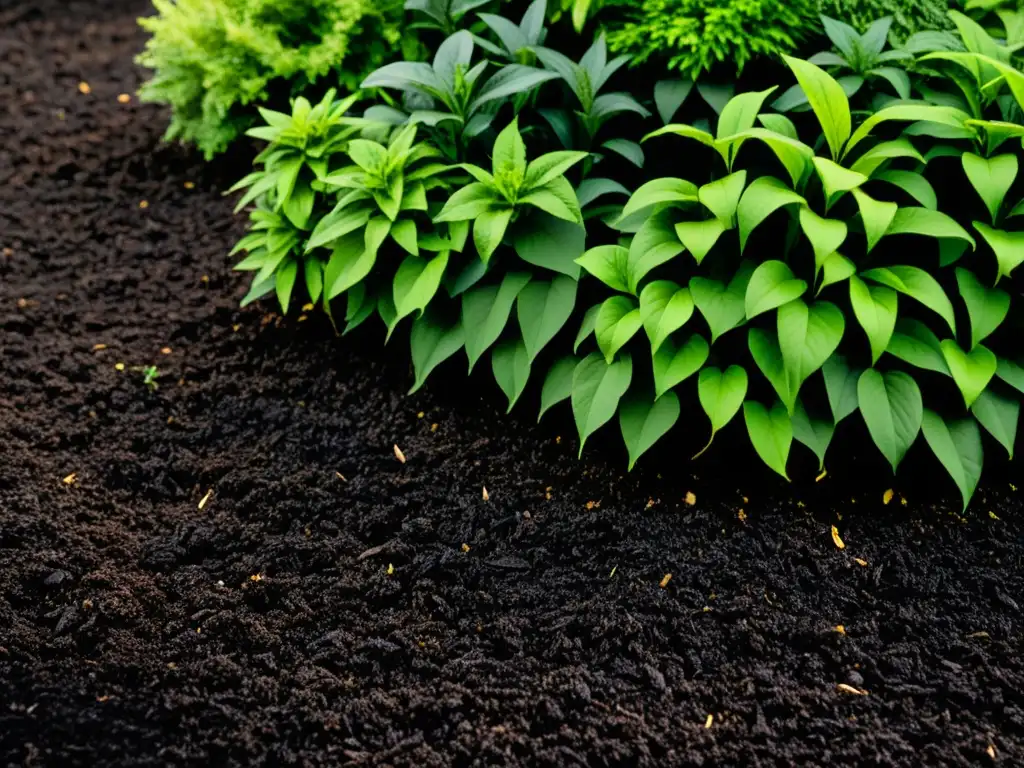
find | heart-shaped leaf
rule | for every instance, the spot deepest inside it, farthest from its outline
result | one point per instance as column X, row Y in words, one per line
column 1007, row 246
column 617, row 322
column 761, row 199
column 644, row 421
column 416, row 282
column 597, row 389
column 841, row 386
column 543, row 308
column 721, row 395
column 723, row 196
column 957, row 446
column 972, row 371
column 722, row 305
column 699, row 237
column 875, row 215
column 813, row 431
column 807, row 338
column 999, row 415
column 654, row 244
column 609, row 264
column 664, row 308
column 764, row 348
column 771, row 433
column 987, row 307
column 991, row 178
column 826, row 235
column 836, row 269
column 510, row 364
column 772, row 285
column 673, row 364
column 917, row 284
column 891, row 405
column 875, row 308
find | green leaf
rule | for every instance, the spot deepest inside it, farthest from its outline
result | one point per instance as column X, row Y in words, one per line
column 841, row 386
column 892, row 409
column 884, row 151
column 669, row 96
column 957, row 446
column 557, row 384
column 511, row 366
column 794, row 155
column 284, row 282
column 543, row 308
column 314, row 273
column 924, row 221
column 673, row 365
column 686, row 131
column 404, row 233
column 508, row 81
column 740, row 113
column 416, row 282
column 665, row 307
column 826, row 235
column 835, row 179
column 771, row 433
column 917, row 284
column 699, row 237
column 609, row 264
column 485, row 312
column 468, row 203
column 991, row 178
column 660, row 191
column 644, row 421
column 432, row 342
column 653, row 245
column 875, row 308
column 1012, row 373
column 772, row 285
column 836, row 269
column 630, row 150
column 971, row 371
column 915, row 185
column 827, row 99
column 722, row 306
column 807, row 338
column 617, row 322
column 586, row 326
column 913, row 342
column 764, row 348
column 550, row 166
column 508, row 159
column 875, row 215
column 722, row 197
column 489, row 229
column 987, row 307
column 762, row 198
column 556, row 198
column 1007, row 246
column 350, row 262
column 815, row 433
column 544, row 241
column 336, row 225
column 721, row 394
column 999, row 415
column 946, row 116
column 597, row 389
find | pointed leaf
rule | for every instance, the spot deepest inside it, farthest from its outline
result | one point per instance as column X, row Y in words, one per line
column 543, row 308
column 761, row 199
column 432, row 342
column 917, row 284
column 485, row 313
column 827, row 99
column 771, row 433
column 644, row 421
column 971, row 371
column 609, row 264
column 991, row 178
column 772, row 285
column 999, row 415
column 841, row 386
column 913, row 342
column 674, row 364
column 597, row 389
column 699, row 237
column 1007, row 246
column 891, row 405
column 558, row 384
column 986, row 307
column 722, row 306
column 721, row 395
column 510, row 364
column 957, row 446
column 665, row 307
column 875, row 308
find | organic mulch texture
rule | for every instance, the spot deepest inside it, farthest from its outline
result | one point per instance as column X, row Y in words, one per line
column 236, row 568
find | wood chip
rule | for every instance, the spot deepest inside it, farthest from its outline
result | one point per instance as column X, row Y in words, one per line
column 84, row 87
column 206, row 498
column 143, row 204
column 887, row 496
column 978, row 635
column 860, row 562
column 98, row 347
column 486, row 496
column 70, row 478
column 710, row 721
column 340, row 477
column 665, row 580
column 465, row 547
column 835, row 538
column 165, row 351
column 398, row 454
column 991, row 751
column 391, row 569
column 850, row 689
column 690, row 498
column 124, row 98
column 840, row 629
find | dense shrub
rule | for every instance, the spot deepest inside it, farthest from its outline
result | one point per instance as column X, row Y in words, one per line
column 693, row 36
column 908, row 16
column 214, row 58
column 799, row 270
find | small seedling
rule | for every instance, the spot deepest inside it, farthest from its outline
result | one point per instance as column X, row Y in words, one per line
column 150, row 376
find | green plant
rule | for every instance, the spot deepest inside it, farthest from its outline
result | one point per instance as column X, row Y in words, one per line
column 516, row 41
column 442, row 15
column 212, row 59
column 695, row 36
column 1003, row 19
column 150, row 376
column 908, row 16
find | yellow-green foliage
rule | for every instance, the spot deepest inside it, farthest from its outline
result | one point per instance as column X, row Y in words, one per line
column 695, row 35
column 908, row 16
column 212, row 58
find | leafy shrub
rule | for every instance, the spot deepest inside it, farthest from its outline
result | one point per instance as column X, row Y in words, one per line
column 213, row 58
column 1003, row 19
column 696, row 35
column 806, row 270
column 908, row 16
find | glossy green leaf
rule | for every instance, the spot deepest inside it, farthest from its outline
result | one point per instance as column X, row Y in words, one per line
column 826, row 235
column 654, row 244
column 485, row 313
column 644, row 421
column 617, row 322
column 468, row 203
column 807, row 338
column 836, row 269
column 741, row 111
column 284, row 282
column 999, row 415
column 813, row 431
column 699, row 237
column 764, row 348
column 827, row 99
column 557, row 384
column 609, row 264
column 875, row 308
column 722, row 305
column 972, row 371
column 586, row 326
column 350, row 262
column 835, row 179
column 957, row 446
column 771, row 433
column 840, row 386
column 432, row 342
column 722, row 197
column 489, row 230
column 875, row 215
column 416, row 283
column 923, row 221
column 510, row 364
column 665, row 307
column 760, row 200
column 1007, row 246
column 543, row 308
column 551, row 243
column 915, row 185
column 917, row 284
column 721, row 395
column 674, row 364
column 986, row 307
column 665, row 190
column 913, row 342
column 991, row 178
column 597, row 389
column 892, row 409
column 772, row 285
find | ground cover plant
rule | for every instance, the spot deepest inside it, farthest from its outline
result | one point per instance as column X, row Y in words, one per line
column 801, row 270
column 214, row 60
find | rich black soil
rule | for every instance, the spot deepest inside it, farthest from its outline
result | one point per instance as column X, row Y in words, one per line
column 329, row 605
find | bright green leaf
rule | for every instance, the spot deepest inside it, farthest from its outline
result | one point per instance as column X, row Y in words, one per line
column 771, row 433
column 875, row 308
column 644, row 421
column 957, row 446
column 597, row 389
column 892, row 409
column 673, row 365
column 772, row 285
column 972, row 371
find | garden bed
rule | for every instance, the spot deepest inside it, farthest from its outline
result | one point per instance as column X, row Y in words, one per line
column 236, row 567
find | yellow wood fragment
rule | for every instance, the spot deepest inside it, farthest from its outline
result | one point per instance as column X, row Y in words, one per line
column 465, row 547
column 887, row 496
column 98, row 347
column 84, row 87
column 861, row 562
column 835, row 538
column 340, row 477
column 665, row 580
column 70, row 478
column 206, row 498
column 486, row 496
column 391, row 569
column 124, row 98
column 690, row 498
column 840, row 629
column 850, row 689
column 710, row 721
column 399, row 455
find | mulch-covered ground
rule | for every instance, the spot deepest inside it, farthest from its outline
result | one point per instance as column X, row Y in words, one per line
column 329, row 605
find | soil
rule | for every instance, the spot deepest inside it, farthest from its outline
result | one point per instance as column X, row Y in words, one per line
column 235, row 568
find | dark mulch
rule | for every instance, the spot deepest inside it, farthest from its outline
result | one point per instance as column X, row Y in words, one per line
column 139, row 629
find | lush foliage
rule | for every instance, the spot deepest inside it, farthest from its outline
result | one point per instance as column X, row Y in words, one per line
column 798, row 269
column 213, row 58
column 908, row 16
column 693, row 36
